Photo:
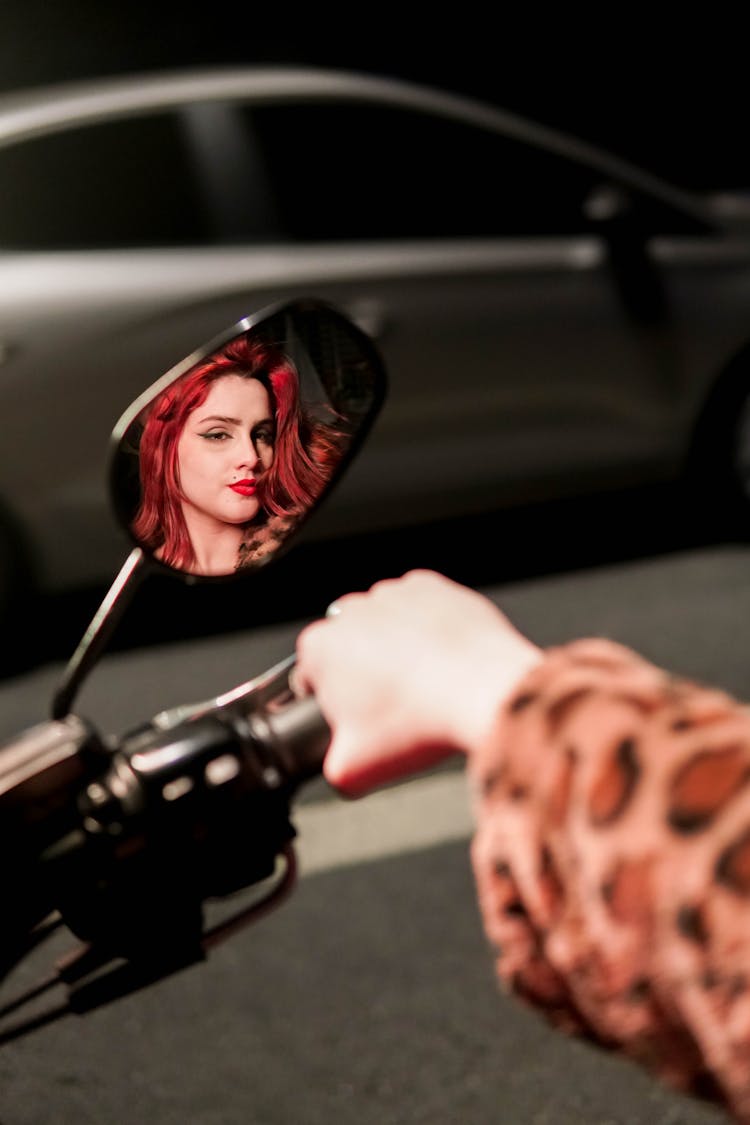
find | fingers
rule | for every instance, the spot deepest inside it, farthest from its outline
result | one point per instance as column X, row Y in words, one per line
column 311, row 644
column 298, row 686
column 384, row 607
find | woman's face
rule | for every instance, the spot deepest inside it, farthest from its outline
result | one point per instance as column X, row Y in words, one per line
column 225, row 446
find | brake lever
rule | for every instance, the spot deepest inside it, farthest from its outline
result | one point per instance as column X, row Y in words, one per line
column 270, row 688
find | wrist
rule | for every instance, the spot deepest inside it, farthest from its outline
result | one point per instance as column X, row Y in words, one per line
column 495, row 683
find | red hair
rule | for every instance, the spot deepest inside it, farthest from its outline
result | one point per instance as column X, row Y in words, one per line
column 305, row 450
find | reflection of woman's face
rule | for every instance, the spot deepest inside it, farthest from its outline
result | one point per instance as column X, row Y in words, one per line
column 225, row 446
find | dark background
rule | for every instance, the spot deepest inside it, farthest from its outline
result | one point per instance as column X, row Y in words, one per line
column 668, row 93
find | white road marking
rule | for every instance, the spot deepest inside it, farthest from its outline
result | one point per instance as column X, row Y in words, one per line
column 412, row 817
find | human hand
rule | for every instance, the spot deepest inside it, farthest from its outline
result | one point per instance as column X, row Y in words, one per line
column 406, row 673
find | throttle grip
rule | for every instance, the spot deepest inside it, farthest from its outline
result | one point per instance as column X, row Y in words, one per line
column 299, row 734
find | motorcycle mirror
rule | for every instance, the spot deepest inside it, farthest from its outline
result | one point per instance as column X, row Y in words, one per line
column 219, row 463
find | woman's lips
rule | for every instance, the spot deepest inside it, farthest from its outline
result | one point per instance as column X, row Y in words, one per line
column 244, row 487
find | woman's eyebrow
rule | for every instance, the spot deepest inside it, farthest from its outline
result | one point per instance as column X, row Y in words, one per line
column 220, row 418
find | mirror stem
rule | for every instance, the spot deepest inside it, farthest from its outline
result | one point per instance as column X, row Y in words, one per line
column 99, row 631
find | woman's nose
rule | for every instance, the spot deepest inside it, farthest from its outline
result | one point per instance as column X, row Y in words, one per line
column 248, row 455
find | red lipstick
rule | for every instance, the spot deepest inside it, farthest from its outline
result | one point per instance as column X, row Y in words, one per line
column 244, row 487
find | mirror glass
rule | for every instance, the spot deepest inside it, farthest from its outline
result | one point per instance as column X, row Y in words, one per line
column 222, row 459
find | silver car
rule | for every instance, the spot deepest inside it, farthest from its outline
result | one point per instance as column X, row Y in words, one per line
column 552, row 318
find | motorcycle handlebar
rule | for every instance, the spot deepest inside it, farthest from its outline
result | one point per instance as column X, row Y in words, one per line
column 107, row 844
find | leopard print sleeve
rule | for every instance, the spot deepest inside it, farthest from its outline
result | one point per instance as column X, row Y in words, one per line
column 612, row 861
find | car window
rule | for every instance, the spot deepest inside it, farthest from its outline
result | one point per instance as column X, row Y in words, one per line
column 299, row 172
column 342, row 171
column 368, row 172
column 116, row 184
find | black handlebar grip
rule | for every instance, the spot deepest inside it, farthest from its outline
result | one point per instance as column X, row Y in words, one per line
column 301, row 735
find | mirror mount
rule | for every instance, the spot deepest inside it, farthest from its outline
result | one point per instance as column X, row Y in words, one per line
column 99, row 631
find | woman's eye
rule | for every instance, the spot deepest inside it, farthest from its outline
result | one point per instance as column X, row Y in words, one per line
column 215, row 435
column 264, row 435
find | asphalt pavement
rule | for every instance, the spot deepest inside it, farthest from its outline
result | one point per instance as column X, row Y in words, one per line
column 368, row 996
